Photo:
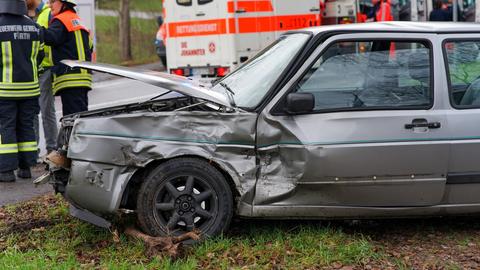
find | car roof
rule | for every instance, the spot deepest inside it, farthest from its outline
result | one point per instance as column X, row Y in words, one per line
column 394, row 26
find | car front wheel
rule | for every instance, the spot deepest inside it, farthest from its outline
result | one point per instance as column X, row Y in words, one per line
column 185, row 194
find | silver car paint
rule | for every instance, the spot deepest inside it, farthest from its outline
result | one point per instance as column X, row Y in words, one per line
column 163, row 80
column 110, row 149
column 302, row 173
column 463, row 126
column 387, row 164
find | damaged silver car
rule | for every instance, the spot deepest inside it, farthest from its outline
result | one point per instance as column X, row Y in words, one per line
column 351, row 121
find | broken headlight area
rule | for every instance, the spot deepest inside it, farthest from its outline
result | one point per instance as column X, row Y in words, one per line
column 58, row 166
column 59, row 171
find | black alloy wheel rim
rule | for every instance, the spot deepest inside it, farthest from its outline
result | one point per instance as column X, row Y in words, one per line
column 184, row 203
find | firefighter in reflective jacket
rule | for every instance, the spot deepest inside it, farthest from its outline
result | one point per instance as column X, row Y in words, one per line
column 381, row 11
column 69, row 39
column 21, row 53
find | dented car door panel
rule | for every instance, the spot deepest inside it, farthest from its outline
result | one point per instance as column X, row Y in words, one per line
column 354, row 158
column 107, row 151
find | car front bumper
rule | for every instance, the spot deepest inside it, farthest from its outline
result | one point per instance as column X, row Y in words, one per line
column 96, row 186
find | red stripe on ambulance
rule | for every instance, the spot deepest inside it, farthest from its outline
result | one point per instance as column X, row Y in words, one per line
column 245, row 25
column 197, row 28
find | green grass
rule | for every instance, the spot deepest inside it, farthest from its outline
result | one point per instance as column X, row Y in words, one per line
column 142, row 32
column 138, row 5
column 67, row 243
column 40, row 234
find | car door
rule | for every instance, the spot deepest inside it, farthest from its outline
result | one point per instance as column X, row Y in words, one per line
column 376, row 135
column 463, row 73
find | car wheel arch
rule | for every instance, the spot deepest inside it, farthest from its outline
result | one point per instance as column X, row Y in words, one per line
column 129, row 193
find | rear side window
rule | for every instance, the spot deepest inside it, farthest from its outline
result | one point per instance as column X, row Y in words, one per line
column 463, row 65
column 203, row 2
column 364, row 75
column 184, row 2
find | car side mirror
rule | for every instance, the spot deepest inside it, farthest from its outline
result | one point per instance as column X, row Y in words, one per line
column 300, row 102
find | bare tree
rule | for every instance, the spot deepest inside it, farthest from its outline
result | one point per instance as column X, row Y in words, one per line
column 124, row 30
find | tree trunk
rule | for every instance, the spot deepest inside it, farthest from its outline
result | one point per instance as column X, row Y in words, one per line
column 124, row 30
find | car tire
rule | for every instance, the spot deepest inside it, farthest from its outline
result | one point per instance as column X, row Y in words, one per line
column 184, row 194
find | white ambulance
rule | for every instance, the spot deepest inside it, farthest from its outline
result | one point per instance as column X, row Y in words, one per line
column 86, row 11
column 209, row 38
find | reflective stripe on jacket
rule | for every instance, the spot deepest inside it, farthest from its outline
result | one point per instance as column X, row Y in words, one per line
column 43, row 19
column 69, row 39
column 21, row 50
column 384, row 12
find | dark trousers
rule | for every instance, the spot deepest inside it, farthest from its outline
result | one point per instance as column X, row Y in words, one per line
column 74, row 100
column 18, row 147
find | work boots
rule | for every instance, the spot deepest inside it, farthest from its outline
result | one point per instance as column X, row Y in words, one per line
column 8, row 176
column 24, row 173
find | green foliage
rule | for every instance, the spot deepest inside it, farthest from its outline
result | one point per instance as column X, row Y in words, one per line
column 143, row 35
column 464, row 73
column 138, row 5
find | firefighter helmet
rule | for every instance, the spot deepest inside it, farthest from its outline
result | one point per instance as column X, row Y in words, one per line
column 70, row 2
column 17, row 7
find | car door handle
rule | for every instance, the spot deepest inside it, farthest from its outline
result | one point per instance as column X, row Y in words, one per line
column 314, row 9
column 241, row 10
column 422, row 123
column 200, row 14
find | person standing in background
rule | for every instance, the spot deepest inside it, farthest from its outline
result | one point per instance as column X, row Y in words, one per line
column 40, row 12
column 449, row 9
column 381, row 11
column 69, row 39
column 21, row 52
column 438, row 14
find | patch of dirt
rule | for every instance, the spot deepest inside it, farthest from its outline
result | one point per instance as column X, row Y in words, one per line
column 437, row 243
column 434, row 243
column 30, row 215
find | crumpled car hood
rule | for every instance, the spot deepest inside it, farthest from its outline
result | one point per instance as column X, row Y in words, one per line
column 175, row 83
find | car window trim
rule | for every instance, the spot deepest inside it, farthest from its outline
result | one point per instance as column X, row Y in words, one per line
column 447, row 69
column 278, row 108
column 204, row 2
column 189, row 4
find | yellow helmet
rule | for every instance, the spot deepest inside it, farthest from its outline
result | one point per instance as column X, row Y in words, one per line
column 71, row 2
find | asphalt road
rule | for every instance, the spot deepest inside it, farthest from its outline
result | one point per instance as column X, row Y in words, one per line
column 107, row 91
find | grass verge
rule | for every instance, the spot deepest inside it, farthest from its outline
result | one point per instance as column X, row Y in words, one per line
column 40, row 234
column 143, row 35
column 137, row 5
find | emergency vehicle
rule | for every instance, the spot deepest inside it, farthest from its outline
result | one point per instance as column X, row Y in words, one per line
column 351, row 11
column 468, row 10
column 209, row 38
column 86, row 11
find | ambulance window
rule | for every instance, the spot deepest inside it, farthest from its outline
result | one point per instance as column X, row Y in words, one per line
column 184, row 2
column 203, row 2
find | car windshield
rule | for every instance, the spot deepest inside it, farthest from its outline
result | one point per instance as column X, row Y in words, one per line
column 249, row 84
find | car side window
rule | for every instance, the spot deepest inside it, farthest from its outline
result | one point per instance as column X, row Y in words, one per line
column 203, row 2
column 184, row 2
column 362, row 75
column 463, row 73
